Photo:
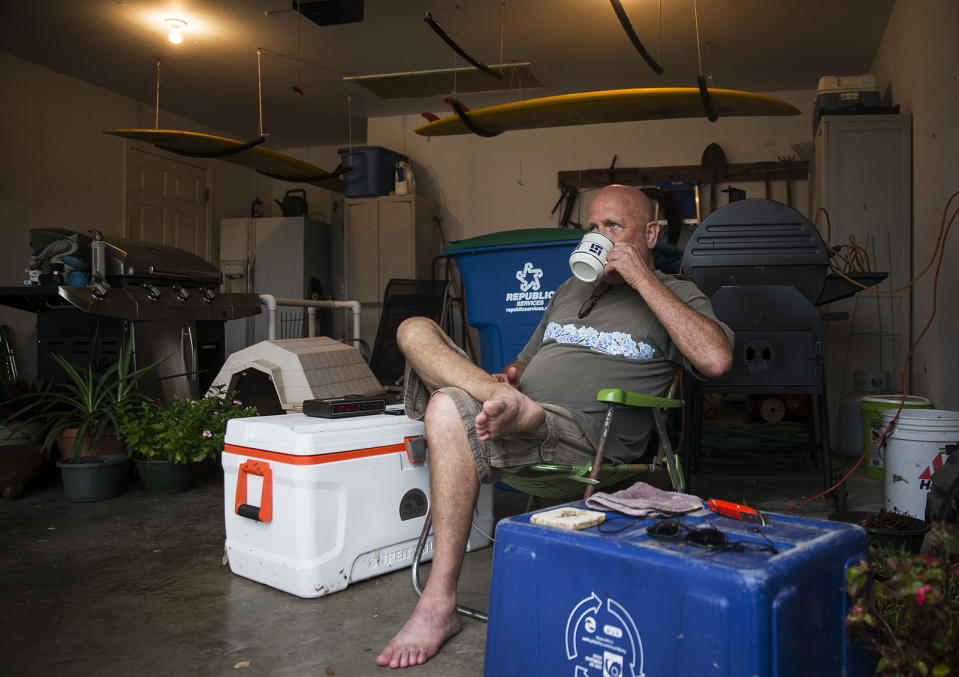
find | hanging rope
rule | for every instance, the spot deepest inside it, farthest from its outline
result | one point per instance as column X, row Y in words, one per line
column 259, row 91
column 502, row 24
column 156, row 110
column 701, row 79
column 299, row 16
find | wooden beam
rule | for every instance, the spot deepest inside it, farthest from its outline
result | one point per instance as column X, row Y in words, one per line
column 777, row 170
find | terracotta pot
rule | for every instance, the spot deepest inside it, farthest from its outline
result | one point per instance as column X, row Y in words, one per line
column 108, row 443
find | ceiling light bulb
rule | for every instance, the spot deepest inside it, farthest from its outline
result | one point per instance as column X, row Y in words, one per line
column 175, row 25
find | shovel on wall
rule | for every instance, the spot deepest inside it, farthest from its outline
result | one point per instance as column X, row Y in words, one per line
column 715, row 166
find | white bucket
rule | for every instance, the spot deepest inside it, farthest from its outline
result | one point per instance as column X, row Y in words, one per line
column 914, row 450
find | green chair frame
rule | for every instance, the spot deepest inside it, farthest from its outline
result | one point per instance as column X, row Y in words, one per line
column 557, row 481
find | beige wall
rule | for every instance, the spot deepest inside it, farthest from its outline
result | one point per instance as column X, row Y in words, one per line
column 507, row 182
column 59, row 170
column 917, row 65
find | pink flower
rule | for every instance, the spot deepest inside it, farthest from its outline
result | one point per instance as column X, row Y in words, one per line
column 857, row 609
column 207, row 433
column 921, row 594
column 238, row 403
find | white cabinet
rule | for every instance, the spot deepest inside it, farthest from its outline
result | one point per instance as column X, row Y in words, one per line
column 863, row 178
column 385, row 238
column 288, row 257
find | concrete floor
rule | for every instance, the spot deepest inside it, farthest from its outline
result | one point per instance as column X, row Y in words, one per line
column 137, row 586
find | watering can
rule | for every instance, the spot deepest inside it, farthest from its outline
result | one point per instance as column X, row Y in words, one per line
column 294, row 205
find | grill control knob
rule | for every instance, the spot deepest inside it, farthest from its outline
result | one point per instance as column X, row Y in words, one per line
column 183, row 294
column 99, row 289
column 208, row 295
column 153, row 294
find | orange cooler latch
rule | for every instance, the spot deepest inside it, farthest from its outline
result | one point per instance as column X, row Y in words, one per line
column 264, row 513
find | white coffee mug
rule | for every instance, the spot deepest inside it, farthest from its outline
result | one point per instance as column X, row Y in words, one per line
column 589, row 258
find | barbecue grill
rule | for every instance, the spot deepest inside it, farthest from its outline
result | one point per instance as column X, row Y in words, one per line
column 91, row 294
column 765, row 269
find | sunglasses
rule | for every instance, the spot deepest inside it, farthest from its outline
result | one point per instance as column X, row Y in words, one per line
column 708, row 538
column 591, row 302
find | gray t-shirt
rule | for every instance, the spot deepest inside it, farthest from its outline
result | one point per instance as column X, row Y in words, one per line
column 620, row 344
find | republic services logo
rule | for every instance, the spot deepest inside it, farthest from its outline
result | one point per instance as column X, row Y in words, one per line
column 529, row 284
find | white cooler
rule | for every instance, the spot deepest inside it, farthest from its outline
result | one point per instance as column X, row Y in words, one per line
column 314, row 504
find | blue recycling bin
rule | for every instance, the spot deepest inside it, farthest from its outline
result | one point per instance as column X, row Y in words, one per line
column 613, row 600
column 508, row 278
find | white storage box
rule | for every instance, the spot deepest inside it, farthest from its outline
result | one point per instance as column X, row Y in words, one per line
column 313, row 504
column 837, row 93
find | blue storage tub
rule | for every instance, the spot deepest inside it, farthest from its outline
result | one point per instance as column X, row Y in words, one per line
column 508, row 279
column 624, row 604
column 372, row 173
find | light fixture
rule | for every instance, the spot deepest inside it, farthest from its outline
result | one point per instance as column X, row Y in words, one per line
column 175, row 25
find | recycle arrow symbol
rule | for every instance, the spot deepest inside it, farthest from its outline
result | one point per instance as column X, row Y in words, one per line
column 590, row 604
column 632, row 632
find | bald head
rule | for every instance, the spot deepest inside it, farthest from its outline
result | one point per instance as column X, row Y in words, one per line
column 624, row 215
column 632, row 200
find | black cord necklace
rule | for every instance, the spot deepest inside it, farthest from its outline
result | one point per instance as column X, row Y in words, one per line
column 591, row 302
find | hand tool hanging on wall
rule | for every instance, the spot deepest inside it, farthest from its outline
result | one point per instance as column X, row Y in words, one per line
column 567, row 199
column 789, row 184
column 715, row 166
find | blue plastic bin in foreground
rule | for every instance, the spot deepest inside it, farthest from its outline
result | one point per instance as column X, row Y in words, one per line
column 622, row 604
column 508, row 279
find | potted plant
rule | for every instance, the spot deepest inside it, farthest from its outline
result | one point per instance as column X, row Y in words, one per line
column 887, row 528
column 20, row 460
column 906, row 605
column 166, row 438
column 88, row 405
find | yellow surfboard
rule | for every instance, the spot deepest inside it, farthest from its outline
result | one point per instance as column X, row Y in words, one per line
column 266, row 161
column 614, row 105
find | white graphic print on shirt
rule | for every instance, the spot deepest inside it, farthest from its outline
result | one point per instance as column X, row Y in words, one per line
column 612, row 343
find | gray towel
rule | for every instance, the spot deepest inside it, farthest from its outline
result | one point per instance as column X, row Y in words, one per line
column 641, row 500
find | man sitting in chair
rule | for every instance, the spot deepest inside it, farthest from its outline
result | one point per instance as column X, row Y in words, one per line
column 631, row 331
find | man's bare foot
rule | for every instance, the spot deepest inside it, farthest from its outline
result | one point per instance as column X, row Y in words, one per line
column 422, row 636
column 502, row 416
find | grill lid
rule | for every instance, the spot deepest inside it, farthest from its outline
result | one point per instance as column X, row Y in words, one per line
column 132, row 260
column 757, row 242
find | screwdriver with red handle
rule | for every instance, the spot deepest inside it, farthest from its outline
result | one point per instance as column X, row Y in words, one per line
column 737, row 511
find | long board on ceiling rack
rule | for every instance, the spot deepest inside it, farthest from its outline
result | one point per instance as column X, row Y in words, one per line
column 266, row 161
column 615, row 105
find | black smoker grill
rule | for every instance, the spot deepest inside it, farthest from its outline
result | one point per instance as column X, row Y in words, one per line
column 765, row 269
column 166, row 298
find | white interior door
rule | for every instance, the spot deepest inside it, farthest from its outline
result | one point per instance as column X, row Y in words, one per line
column 167, row 202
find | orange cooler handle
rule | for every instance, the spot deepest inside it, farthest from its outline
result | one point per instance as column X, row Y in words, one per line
column 265, row 512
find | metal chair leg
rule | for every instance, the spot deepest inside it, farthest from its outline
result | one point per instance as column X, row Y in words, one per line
column 418, row 555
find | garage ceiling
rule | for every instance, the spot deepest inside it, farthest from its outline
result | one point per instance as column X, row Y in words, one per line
column 568, row 45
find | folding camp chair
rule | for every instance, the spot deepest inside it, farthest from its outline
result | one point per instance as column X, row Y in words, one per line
column 567, row 481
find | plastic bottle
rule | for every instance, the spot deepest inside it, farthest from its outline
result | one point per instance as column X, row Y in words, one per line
column 257, row 208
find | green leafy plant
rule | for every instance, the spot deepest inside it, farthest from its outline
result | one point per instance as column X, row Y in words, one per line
column 90, row 401
column 907, row 606
column 182, row 430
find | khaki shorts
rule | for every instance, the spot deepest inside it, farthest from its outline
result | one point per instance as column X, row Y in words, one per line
column 558, row 440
